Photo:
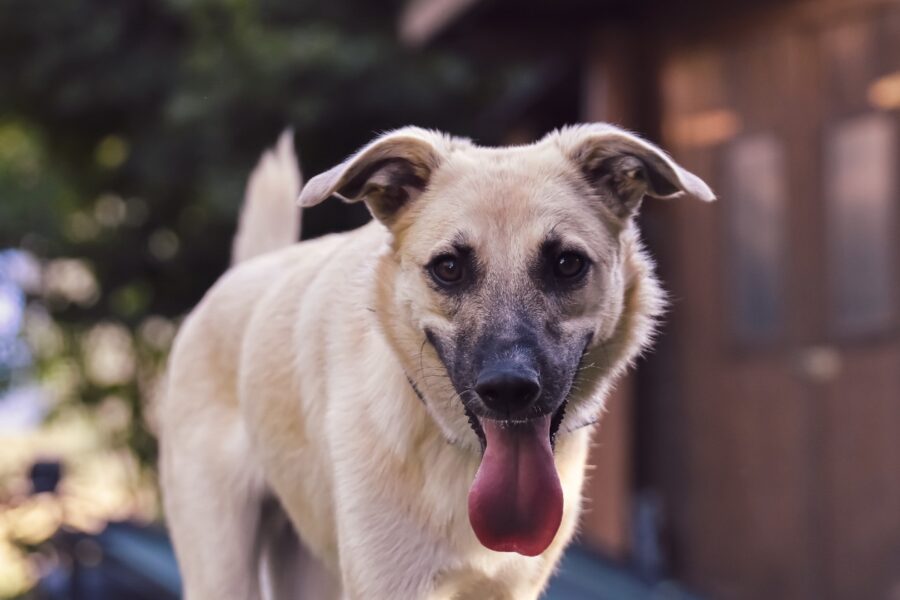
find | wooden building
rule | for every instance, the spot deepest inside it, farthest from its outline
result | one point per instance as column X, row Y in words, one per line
column 756, row 453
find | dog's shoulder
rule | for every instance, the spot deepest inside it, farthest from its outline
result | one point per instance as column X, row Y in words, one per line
column 219, row 321
column 242, row 286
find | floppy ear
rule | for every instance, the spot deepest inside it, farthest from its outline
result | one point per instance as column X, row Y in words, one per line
column 623, row 168
column 387, row 174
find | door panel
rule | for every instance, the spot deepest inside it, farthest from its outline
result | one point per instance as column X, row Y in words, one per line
column 744, row 530
column 785, row 330
column 861, row 405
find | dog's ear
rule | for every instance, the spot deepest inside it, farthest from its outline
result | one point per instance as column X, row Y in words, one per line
column 387, row 174
column 623, row 168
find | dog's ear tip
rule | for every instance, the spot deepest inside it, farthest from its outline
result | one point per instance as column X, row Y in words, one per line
column 702, row 193
column 690, row 185
column 306, row 200
column 308, row 197
column 700, row 190
column 320, row 188
column 706, row 196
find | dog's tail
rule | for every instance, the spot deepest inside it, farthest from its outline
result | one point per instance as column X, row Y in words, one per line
column 270, row 217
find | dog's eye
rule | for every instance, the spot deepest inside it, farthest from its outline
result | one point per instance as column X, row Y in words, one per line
column 569, row 265
column 447, row 269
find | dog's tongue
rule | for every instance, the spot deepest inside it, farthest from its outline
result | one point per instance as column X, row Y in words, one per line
column 516, row 501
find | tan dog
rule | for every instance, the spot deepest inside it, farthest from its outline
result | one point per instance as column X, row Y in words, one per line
column 415, row 394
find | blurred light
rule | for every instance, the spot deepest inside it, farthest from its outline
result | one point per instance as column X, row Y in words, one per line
column 102, row 484
column 157, row 332
column 884, row 93
column 11, row 309
column 81, row 227
column 110, row 210
column 19, row 149
column 163, row 244
column 22, row 409
column 111, row 152
column 43, row 335
column 821, row 364
column 35, row 521
column 72, row 280
column 62, row 378
column 14, row 354
column 109, row 355
column 114, row 413
column 705, row 128
column 21, row 268
column 16, row 574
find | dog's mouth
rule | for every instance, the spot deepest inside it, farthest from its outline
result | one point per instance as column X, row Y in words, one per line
column 475, row 422
column 516, row 500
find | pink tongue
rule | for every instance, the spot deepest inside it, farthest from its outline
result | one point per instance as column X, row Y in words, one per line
column 516, row 501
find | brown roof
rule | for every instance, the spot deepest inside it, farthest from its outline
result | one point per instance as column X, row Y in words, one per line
column 423, row 19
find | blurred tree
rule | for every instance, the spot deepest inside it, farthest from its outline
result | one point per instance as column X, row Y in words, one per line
column 127, row 130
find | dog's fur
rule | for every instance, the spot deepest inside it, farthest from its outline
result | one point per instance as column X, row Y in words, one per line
column 334, row 377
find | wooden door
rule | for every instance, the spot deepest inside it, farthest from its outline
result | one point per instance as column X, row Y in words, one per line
column 860, row 404
column 784, row 336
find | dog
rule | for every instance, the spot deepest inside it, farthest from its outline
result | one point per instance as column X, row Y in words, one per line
column 415, row 395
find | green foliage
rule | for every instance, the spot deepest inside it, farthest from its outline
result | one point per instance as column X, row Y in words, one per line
column 127, row 130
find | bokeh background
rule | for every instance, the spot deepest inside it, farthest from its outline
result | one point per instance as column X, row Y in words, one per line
column 754, row 454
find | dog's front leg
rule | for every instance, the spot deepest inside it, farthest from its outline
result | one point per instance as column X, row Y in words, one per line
column 212, row 499
column 391, row 538
column 384, row 554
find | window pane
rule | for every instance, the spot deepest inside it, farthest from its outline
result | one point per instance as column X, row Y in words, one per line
column 860, row 164
column 755, row 185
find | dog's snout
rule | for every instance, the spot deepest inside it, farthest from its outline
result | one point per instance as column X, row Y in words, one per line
column 508, row 390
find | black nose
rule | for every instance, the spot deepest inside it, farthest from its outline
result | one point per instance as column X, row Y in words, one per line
column 508, row 390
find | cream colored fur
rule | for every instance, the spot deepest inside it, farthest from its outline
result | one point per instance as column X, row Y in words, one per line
column 269, row 218
column 289, row 379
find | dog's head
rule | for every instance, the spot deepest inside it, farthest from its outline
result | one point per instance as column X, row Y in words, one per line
column 514, row 291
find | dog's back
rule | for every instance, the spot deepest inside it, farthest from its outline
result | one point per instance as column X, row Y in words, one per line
column 204, row 447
